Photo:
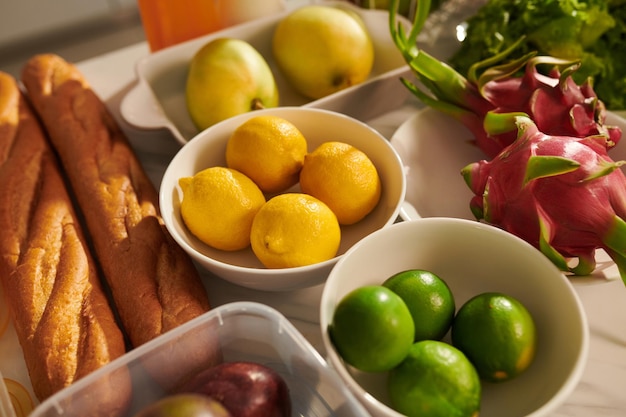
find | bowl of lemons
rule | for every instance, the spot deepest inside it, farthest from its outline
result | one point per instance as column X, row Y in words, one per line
column 445, row 316
column 271, row 199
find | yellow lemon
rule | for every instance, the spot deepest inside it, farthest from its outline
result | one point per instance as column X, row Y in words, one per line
column 268, row 149
column 293, row 230
column 218, row 207
column 344, row 178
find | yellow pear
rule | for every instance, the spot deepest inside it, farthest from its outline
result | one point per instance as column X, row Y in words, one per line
column 323, row 49
column 228, row 77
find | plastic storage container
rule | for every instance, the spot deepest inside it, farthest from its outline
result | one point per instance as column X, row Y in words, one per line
column 242, row 331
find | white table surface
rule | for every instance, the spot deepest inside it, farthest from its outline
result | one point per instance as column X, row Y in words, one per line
column 600, row 391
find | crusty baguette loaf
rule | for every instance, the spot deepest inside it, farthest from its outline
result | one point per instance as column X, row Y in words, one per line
column 60, row 311
column 154, row 284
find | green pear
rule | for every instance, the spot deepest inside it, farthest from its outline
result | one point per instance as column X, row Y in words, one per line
column 228, row 77
column 323, row 49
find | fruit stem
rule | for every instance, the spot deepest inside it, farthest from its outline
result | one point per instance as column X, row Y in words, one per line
column 257, row 104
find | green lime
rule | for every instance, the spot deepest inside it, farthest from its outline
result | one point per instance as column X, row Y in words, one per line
column 429, row 300
column 497, row 333
column 372, row 328
column 435, row 380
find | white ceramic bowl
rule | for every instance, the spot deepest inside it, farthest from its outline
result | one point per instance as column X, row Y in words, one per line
column 318, row 126
column 472, row 258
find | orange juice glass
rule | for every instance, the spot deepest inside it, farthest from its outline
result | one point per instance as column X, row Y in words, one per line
column 168, row 22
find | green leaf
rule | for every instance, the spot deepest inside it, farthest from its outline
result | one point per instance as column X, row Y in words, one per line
column 547, row 249
column 466, row 172
column 486, row 212
column 604, row 168
column 498, row 72
column 616, row 236
column 615, row 240
column 585, row 266
column 477, row 211
column 421, row 14
column 620, row 261
column 433, row 102
column 548, row 166
column 440, row 79
column 398, row 34
column 444, row 82
column 498, row 123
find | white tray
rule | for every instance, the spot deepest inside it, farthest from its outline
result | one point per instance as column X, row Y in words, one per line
column 158, row 100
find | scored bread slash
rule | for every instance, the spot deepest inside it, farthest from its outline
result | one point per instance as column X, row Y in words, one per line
column 60, row 311
column 155, row 286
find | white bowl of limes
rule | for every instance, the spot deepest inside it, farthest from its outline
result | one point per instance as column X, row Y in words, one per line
column 242, row 265
column 524, row 362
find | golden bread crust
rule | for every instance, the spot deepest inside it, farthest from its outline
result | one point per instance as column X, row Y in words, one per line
column 60, row 311
column 154, row 284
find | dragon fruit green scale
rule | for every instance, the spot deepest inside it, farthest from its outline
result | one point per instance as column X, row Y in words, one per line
column 562, row 194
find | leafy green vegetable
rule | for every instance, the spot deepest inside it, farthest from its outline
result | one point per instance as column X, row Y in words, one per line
column 593, row 31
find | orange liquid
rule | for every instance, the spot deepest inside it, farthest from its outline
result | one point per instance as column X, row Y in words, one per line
column 168, row 22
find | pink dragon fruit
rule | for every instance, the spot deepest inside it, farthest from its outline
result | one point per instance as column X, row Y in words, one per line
column 562, row 194
column 551, row 181
column 554, row 101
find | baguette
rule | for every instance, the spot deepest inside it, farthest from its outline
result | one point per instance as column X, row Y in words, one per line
column 154, row 284
column 60, row 311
